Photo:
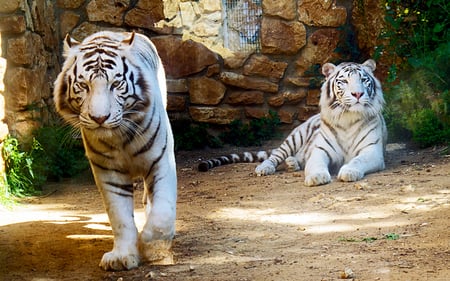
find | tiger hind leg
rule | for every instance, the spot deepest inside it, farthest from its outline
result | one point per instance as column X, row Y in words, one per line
column 155, row 239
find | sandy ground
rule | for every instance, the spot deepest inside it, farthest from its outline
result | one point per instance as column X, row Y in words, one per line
column 232, row 225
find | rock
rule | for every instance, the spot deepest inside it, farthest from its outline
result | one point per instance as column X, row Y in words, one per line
column 320, row 49
column 25, row 86
column 286, row 117
column 298, row 81
column 208, row 25
column 183, row 58
column 261, row 65
column 245, row 82
column 213, row 70
column 10, row 6
column 313, row 97
column 44, row 22
column 27, row 49
column 69, row 4
column 146, row 14
column 256, row 112
column 276, row 101
column 321, row 13
column 68, row 21
column 294, row 97
column 282, row 37
column 110, row 11
column 286, row 9
column 210, row 6
column 85, row 29
column 206, row 91
column 245, row 97
column 12, row 24
column 214, row 114
column 236, row 60
column 177, row 85
column 368, row 25
column 176, row 103
column 305, row 112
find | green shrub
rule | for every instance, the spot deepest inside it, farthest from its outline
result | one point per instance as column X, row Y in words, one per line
column 252, row 133
column 418, row 99
column 189, row 136
column 420, row 102
column 62, row 153
column 21, row 179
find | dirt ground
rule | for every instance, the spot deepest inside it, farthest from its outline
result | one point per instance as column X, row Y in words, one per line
column 232, row 225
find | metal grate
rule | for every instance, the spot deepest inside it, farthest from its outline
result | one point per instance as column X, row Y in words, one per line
column 242, row 22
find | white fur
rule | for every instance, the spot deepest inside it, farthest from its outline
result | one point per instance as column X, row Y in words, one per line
column 118, row 159
column 347, row 137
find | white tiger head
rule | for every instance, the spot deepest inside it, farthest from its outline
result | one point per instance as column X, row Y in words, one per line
column 351, row 88
column 101, row 85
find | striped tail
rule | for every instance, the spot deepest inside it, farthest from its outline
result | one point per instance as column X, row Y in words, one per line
column 245, row 157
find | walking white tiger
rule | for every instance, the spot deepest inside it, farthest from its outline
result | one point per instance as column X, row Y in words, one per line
column 347, row 137
column 112, row 86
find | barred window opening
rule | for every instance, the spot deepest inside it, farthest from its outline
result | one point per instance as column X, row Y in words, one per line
column 242, row 21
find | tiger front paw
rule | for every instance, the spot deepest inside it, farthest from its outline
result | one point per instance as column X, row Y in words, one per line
column 349, row 174
column 318, row 179
column 265, row 168
column 117, row 261
column 292, row 164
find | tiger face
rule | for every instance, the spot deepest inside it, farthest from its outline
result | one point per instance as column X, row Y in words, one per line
column 100, row 88
column 352, row 88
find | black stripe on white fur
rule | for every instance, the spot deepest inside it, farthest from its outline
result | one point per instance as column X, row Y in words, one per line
column 244, row 157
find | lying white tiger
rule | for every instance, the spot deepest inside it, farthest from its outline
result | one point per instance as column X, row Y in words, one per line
column 347, row 137
column 112, row 86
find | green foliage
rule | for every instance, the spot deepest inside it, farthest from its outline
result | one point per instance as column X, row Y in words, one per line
column 420, row 102
column 190, row 136
column 418, row 99
column 53, row 154
column 20, row 176
column 252, row 133
column 61, row 154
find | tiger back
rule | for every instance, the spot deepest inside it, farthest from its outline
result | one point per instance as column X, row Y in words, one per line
column 112, row 87
column 346, row 138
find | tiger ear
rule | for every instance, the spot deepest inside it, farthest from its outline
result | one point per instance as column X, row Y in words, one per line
column 129, row 40
column 371, row 64
column 69, row 42
column 327, row 69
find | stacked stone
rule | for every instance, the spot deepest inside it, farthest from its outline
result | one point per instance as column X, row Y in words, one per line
column 206, row 84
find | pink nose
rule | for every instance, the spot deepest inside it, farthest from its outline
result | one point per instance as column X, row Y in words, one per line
column 357, row 95
column 99, row 119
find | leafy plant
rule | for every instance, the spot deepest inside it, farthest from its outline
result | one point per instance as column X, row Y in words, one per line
column 420, row 102
column 189, row 136
column 61, row 154
column 370, row 239
column 418, row 99
column 20, row 177
column 252, row 133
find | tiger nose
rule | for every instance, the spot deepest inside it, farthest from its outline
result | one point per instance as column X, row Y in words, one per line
column 357, row 95
column 99, row 119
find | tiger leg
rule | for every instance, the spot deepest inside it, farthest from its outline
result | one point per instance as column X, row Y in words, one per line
column 267, row 167
column 292, row 164
column 371, row 159
column 316, row 168
column 117, row 193
column 155, row 240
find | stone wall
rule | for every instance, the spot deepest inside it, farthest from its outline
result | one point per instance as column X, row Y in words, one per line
column 206, row 81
